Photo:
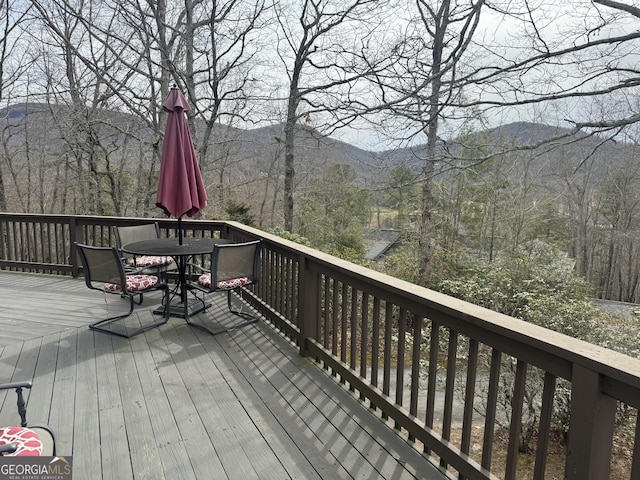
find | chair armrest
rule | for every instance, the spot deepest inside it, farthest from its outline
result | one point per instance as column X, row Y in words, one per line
column 8, row 448
column 135, row 271
column 193, row 272
column 21, row 404
column 197, row 267
column 13, row 385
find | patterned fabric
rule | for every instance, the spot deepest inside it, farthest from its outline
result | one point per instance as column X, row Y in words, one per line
column 205, row 281
column 28, row 442
column 150, row 260
column 135, row 283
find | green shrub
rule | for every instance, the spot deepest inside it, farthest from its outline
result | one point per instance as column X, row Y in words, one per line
column 536, row 284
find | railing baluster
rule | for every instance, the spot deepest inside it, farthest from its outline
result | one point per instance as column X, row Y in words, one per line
column 375, row 342
column 388, row 324
column 415, row 365
column 490, row 414
column 635, row 464
column 267, row 272
column 27, row 228
column 400, row 357
column 364, row 335
column 334, row 318
column 353, row 353
column 544, row 426
column 388, row 329
column 275, row 269
column 452, row 359
column 469, row 397
column 319, row 308
column 17, row 242
column 17, row 254
column 3, row 243
column 263, row 288
column 286, row 291
column 344, row 313
column 291, row 286
column 278, row 297
column 415, row 368
column 42, row 245
column 515, row 430
column 287, row 288
column 327, row 312
column 434, row 350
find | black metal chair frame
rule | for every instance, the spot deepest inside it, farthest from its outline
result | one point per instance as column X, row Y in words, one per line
column 40, row 430
column 115, row 273
column 219, row 271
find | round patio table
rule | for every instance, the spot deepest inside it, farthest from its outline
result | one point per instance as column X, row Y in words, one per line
column 181, row 252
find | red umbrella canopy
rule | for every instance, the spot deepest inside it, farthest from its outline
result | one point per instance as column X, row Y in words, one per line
column 180, row 186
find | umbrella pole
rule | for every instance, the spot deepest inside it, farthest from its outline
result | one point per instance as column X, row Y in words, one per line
column 182, row 269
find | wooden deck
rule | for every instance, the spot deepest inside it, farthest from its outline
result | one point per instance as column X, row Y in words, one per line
column 177, row 403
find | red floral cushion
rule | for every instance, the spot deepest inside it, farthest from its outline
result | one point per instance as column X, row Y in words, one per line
column 150, row 260
column 135, row 283
column 27, row 441
column 205, row 281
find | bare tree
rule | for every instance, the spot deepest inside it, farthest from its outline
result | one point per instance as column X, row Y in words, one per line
column 322, row 43
column 424, row 85
column 452, row 66
column 132, row 52
column 13, row 64
column 210, row 51
column 73, row 64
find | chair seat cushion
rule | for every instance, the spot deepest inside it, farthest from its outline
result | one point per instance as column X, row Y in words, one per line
column 135, row 283
column 205, row 281
column 27, row 441
column 150, row 261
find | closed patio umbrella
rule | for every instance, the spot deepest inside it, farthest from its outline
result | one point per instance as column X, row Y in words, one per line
column 180, row 187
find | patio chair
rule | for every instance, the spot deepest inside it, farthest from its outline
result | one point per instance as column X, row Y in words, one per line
column 234, row 266
column 104, row 271
column 25, row 440
column 150, row 263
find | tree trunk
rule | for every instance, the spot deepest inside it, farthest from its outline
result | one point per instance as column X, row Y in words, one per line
column 426, row 231
column 289, row 155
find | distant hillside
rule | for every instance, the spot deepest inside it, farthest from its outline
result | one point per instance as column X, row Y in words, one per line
column 311, row 146
column 256, row 150
column 526, row 133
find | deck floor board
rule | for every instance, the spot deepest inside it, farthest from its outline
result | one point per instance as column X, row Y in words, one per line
column 177, row 402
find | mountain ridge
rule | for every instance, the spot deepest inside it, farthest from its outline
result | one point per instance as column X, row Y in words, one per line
column 258, row 147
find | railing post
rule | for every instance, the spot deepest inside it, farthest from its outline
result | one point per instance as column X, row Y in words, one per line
column 590, row 428
column 75, row 235
column 308, row 306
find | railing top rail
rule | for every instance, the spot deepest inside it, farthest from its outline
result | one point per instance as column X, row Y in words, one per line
column 466, row 317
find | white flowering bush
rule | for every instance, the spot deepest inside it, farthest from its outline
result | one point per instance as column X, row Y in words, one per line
column 536, row 284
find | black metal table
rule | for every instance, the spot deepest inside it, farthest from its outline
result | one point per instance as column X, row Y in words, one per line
column 170, row 247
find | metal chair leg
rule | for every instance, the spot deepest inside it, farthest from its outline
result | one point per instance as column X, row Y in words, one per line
column 104, row 325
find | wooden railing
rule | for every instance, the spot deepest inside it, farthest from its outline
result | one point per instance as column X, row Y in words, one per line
column 449, row 376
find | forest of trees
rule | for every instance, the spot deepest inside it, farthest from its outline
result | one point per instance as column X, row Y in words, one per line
column 81, row 84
